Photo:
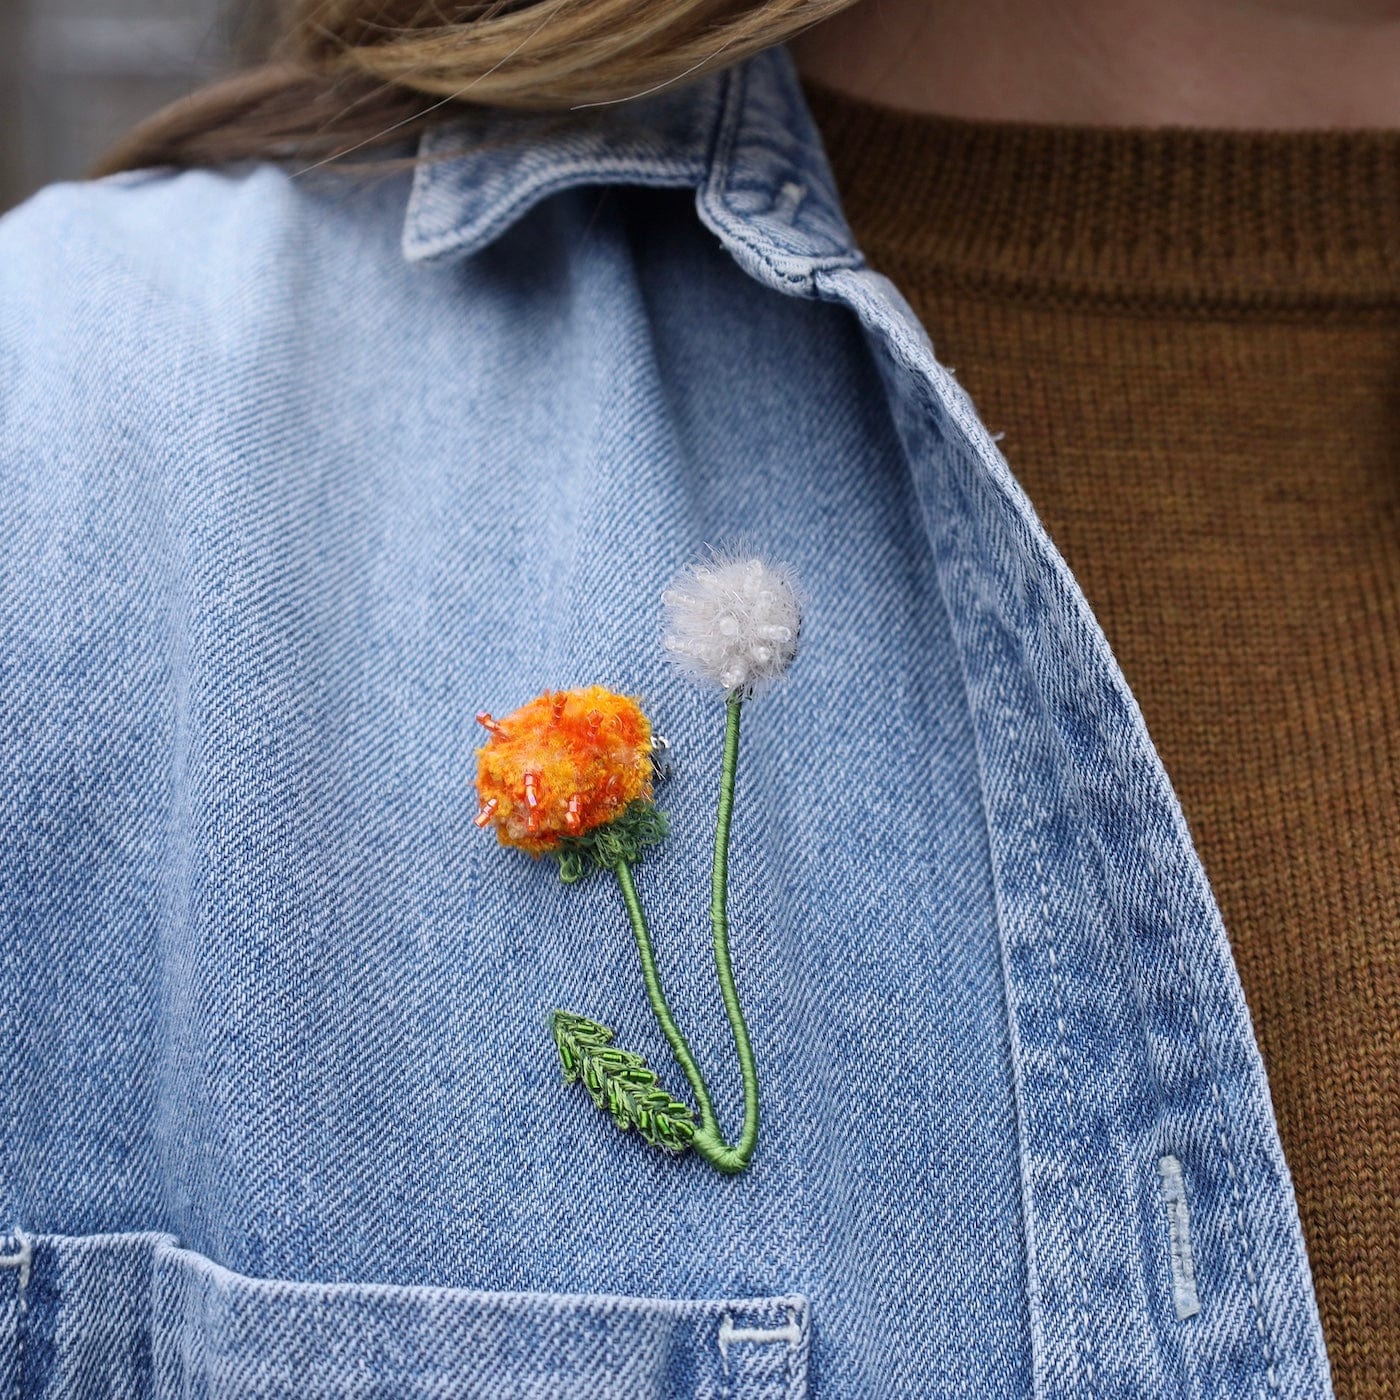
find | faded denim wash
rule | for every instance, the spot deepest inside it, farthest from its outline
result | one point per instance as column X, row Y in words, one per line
column 296, row 475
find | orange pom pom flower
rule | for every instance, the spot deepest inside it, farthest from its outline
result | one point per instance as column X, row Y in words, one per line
column 561, row 768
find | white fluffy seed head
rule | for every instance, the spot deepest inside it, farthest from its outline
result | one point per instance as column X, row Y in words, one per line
column 733, row 622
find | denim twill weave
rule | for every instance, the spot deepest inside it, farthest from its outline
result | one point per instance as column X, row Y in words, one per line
column 296, row 476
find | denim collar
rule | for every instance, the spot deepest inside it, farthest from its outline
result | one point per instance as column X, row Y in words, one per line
column 743, row 138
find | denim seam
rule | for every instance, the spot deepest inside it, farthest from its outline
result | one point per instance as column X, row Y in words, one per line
column 928, row 396
column 1013, row 734
column 905, row 356
column 1019, row 1090
column 22, row 1260
column 714, row 192
column 908, row 355
column 1203, row 1043
column 1242, row 1233
column 727, row 1388
column 794, row 1348
column 481, row 230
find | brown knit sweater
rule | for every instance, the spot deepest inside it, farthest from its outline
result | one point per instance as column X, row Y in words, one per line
column 1191, row 341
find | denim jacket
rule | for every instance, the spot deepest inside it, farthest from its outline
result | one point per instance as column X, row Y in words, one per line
column 299, row 474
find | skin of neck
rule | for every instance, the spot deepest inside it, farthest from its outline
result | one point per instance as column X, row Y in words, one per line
column 1247, row 64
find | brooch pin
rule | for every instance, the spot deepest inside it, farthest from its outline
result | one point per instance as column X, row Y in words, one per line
column 570, row 775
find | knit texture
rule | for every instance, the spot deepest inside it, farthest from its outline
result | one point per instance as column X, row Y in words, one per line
column 1191, row 341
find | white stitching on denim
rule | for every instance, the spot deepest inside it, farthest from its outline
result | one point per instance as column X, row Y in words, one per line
column 726, row 1391
column 1090, row 700
column 21, row 1261
column 790, row 1368
column 790, row 196
column 1183, row 1268
column 790, row 1334
column 1081, row 1330
column 1062, row 1034
column 1246, row 1243
column 1083, row 1355
column 1083, row 1352
column 795, row 1346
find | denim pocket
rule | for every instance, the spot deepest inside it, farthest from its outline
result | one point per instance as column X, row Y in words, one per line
column 137, row 1316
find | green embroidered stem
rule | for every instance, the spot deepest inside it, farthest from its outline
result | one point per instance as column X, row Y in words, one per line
column 708, row 1141
column 725, row 1157
column 659, row 1005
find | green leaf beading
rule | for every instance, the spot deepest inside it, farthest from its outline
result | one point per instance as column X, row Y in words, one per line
column 621, row 1083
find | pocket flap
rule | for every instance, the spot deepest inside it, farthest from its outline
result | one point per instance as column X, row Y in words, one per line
column 136, row 1314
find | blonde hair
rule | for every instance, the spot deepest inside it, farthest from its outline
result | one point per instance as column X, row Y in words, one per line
column 350, row 74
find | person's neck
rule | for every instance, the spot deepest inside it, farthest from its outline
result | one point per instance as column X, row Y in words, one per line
column 1265, row 64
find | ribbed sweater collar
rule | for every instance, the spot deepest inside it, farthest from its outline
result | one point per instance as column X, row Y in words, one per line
column 1286, row 219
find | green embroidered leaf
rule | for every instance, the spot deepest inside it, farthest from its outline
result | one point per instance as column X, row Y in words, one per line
column 621, row 1083
column 641, row 824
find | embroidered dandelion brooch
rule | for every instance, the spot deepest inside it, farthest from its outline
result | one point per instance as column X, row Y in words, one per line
column 570, row 775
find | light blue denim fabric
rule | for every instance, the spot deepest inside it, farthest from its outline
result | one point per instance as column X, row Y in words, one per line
column 296, row 475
